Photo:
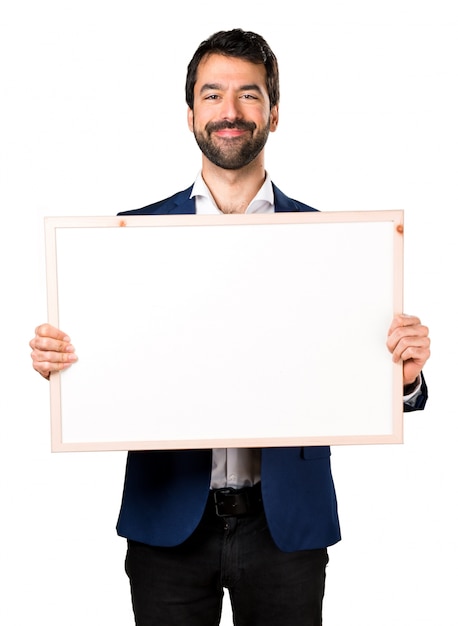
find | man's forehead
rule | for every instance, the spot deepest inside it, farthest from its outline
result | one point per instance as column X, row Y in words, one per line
column 219, row 68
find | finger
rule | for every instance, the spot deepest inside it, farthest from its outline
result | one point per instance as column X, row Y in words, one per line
column 401, row 335
column 47, row 362
column 416, row 349
column 47, row 368
column 48, row 338
column 46, row 330
column 54, row 357
column 402, row 320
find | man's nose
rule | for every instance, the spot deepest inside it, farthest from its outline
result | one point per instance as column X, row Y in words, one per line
column 230, row 108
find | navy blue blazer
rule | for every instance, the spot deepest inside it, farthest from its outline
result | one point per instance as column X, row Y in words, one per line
column 165, row 491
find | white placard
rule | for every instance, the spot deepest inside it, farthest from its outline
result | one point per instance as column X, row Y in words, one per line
column 212, row 331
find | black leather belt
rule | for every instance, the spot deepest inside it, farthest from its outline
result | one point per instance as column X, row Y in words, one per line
column 237, row 502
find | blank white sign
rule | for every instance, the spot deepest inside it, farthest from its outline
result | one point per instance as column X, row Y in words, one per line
column 221, row 331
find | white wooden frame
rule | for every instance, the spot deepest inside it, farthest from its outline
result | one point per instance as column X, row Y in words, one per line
column 226, row 331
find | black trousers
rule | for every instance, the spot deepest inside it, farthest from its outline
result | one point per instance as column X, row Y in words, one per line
column 183, row 585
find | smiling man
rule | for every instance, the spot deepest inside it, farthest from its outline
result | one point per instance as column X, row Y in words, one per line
column 255, row 521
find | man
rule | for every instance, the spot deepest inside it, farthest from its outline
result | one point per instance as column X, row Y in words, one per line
column 256, row 521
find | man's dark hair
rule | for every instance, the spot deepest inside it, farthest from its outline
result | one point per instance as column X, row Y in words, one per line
column 240, row 44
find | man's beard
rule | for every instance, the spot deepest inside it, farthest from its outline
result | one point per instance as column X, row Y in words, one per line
column 231, row 153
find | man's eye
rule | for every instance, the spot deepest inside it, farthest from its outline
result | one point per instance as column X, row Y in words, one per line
column 211, row 96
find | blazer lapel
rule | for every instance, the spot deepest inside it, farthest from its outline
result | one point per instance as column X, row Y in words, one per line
column 181, row 204
column 283, row 204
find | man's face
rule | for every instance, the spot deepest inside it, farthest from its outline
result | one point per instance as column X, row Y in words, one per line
column 232, row 118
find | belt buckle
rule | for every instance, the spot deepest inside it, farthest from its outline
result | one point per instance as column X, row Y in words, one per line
column 230, row 502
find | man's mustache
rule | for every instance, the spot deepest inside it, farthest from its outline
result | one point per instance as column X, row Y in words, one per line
column 212, row 127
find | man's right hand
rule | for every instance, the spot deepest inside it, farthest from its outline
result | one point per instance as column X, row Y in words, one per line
column 51, row 350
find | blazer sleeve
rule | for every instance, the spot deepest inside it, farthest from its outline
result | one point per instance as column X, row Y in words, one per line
column 420, row 399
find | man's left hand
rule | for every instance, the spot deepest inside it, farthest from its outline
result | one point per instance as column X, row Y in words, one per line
column 408, row 341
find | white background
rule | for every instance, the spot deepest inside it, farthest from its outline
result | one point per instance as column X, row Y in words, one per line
column 93, row 121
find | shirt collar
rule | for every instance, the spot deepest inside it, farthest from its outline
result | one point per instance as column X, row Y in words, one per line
column 262, row 202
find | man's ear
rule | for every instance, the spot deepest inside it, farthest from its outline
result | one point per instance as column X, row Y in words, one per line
column 274, row 118
column 190, row 119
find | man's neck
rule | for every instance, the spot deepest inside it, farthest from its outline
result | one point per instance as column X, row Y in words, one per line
column 233, row 190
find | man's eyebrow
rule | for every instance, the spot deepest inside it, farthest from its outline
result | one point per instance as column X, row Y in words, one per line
column 218, row 87
column 210, row 87
column 251, row 87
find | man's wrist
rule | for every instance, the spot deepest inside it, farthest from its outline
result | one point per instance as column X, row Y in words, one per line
column 411, row 387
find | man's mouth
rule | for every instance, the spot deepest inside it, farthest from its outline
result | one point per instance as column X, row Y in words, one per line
column 229, row 133
column 230, row 130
